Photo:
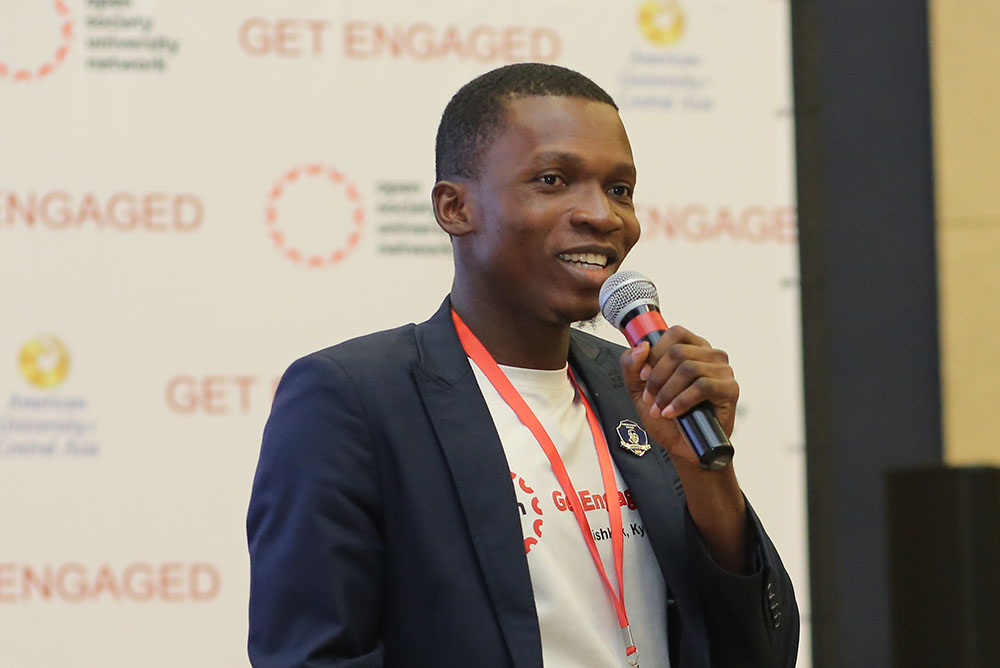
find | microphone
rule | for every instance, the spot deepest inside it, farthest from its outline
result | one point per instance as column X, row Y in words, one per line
column 630, row 303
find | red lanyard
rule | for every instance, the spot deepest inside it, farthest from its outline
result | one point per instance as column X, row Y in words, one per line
column 478, row 353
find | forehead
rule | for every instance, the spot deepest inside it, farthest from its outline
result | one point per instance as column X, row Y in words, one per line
column 536, row 126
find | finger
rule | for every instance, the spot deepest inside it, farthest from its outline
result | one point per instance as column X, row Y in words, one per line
column 685, row 375
column 666, row 366
column 719, row 392
column 634, row 366
column 675, row 335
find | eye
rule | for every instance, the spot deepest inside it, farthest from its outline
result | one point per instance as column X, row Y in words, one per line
column 552, row 179
column 620, row 190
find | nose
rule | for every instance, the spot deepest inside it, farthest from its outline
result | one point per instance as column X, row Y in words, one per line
column 594, row 209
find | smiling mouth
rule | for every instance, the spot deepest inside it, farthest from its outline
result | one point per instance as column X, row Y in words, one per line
column 585, row 260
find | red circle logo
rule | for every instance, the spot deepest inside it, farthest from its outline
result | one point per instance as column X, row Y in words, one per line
column 18, row 73
column 321, row 253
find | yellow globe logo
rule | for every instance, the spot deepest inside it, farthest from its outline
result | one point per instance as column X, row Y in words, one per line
column 661, row 21
column 44, row 362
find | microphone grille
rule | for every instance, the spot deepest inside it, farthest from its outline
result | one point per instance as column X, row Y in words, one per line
column 624, row 291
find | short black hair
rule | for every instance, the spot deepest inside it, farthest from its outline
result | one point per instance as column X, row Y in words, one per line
column 477, row 111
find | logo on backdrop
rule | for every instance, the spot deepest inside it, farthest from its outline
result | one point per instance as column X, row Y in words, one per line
column 119, row 211
column 374, row 40
column 136, row 582
column 51, row 50
column 40, row 421
column 657, row 75
column 371, row 40
column 44, row 362
column 314, row 215
column 404, row 221
column 661, row 21
column 121, row 39
column 59, row 210
column 116, row 38
column 218, row 393
column 702, row 223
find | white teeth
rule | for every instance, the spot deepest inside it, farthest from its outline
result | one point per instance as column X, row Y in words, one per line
column 588, row 259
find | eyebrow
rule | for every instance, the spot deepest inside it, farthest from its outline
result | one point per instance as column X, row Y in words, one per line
column 576, row 161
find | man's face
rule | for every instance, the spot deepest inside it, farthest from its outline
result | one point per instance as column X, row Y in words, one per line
column 552, row 209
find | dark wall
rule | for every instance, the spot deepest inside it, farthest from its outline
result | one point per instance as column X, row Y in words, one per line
column 869, row 299
column 945, row 584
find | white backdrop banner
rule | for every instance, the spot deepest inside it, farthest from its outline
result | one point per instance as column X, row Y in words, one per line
column 194, row 194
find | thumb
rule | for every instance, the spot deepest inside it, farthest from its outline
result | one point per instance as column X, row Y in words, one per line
column 635, row 367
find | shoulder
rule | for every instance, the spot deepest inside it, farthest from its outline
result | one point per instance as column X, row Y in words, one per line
column 330, row 392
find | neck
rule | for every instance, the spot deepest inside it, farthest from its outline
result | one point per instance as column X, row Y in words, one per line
column 514, row 340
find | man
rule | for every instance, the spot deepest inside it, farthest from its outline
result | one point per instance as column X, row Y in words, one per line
column 453, row 493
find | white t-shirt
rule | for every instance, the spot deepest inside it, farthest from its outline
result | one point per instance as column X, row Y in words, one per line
column 578, row 623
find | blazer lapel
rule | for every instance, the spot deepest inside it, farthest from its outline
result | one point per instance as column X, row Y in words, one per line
column 472, row 448
column 652, row 480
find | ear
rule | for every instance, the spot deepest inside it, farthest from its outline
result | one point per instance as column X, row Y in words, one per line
column 451, row 207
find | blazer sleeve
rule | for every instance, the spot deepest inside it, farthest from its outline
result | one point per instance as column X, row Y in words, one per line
column 752, row 620
column 313, row 527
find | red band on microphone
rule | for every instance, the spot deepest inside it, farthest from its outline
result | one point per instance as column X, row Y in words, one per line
column 643, row 324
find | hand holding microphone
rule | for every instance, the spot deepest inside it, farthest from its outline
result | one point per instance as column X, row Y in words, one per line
column 686, row 373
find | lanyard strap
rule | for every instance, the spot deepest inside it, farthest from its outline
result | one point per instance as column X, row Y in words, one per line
column 478, row 353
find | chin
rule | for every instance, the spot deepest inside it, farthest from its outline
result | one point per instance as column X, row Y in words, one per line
column 580, row 314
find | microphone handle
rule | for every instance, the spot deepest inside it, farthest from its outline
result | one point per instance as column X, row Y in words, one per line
column 701, row 428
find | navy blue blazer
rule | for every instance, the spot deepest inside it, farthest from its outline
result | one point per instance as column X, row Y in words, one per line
column 383, row 526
